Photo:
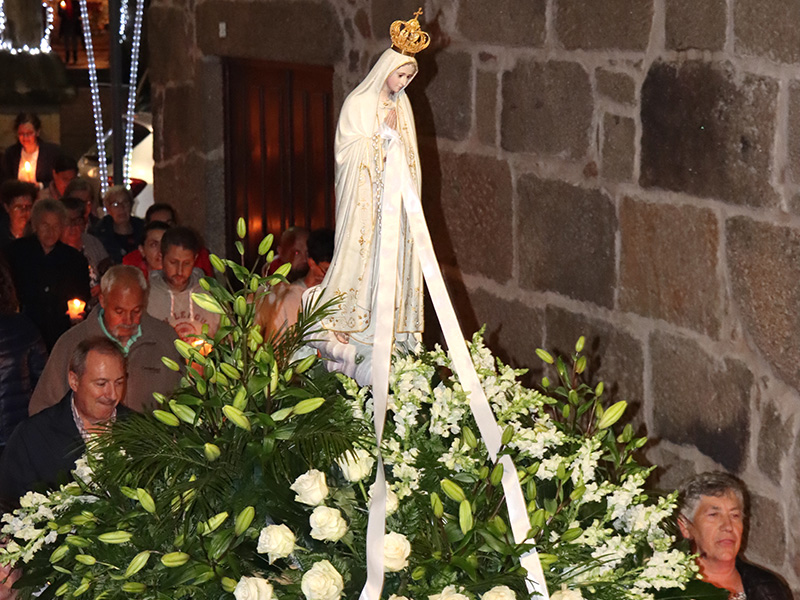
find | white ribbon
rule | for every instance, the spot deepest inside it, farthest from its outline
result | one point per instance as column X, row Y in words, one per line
column 399, row 189
column 389, row 243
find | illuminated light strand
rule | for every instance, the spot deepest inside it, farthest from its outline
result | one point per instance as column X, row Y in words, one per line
column 132, row 83
column 44, row 43
column 97, row 109
column 123, row 19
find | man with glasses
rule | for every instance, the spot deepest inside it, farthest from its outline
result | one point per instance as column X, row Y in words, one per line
column 119, row 231
column 75, row 235
column 47, row 272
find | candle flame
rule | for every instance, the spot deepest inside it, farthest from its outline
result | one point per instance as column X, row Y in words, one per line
column 202, row 347
column 75, row 308
column 27, row 166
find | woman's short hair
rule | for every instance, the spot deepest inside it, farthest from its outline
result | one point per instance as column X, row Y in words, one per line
column 123, row 275
column 14, row 188
column 27, row 117
column 118, row 192
column 47, row 205
column 711, row 483
column 102, row 345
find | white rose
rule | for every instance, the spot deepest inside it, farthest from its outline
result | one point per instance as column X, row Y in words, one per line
column 327, row 524
column 356, row 468
column 310, row 487
column 499, row 592
column 392, row 502
column 277, row 541
column 565, row 594
column 395, row 551
column 449, row 593
column 396, row 597
column 322, row 582
column 253, row 588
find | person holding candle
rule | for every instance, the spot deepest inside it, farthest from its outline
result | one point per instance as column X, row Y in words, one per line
column 31, row 159
column 123, row 319
column 47, row 272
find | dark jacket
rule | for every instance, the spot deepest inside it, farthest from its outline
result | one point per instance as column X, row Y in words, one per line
column 46, row 282
column 22, row 359
column 41, row 453
column 118, row 245
column 44, row 163
column 760, row 584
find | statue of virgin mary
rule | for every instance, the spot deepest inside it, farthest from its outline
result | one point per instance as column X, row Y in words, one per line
column 376, row 119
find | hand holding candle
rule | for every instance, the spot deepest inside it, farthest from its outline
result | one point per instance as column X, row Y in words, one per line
column 75, row 309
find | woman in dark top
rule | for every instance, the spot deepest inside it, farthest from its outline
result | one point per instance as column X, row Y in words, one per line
column 47, row 273
column 120, row 232
column 22, row 358
column 38, row 154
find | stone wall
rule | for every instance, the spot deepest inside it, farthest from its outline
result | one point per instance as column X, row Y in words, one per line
column 627, row 169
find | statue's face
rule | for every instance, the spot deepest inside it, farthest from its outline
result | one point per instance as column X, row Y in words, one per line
column 400, row 78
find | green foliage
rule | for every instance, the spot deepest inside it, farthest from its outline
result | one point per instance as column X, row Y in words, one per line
column 165, row 497
column 178, row 499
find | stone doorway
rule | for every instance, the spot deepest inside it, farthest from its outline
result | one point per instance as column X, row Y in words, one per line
column 279, row 161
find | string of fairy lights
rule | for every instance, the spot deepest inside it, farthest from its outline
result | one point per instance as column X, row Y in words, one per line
column 44, row 43
column 97, row 110
column 132, row 83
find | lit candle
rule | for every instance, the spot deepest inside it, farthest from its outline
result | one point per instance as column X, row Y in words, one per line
column 75, row 308
column 28, row 170
column 63, row 4
column 201, row 346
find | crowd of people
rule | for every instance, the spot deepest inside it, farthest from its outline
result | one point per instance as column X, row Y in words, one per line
column 75, row 272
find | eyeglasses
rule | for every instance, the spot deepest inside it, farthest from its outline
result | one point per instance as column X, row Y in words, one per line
column 22, row 207
column 118, row 204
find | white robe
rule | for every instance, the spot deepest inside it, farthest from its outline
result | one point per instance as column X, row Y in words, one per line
column 360, row 151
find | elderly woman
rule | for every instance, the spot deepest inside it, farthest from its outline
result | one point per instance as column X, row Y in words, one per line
column 46, row 272
column 712, row 517
column 119, row 231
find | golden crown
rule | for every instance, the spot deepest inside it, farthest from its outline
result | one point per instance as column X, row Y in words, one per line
column 407, row 38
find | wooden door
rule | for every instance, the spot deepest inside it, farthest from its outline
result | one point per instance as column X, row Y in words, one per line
column 279, row 149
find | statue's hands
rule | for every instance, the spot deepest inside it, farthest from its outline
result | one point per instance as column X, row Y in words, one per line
column 391, row 119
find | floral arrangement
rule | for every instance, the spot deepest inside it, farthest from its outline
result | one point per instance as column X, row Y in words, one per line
column 253, row 478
